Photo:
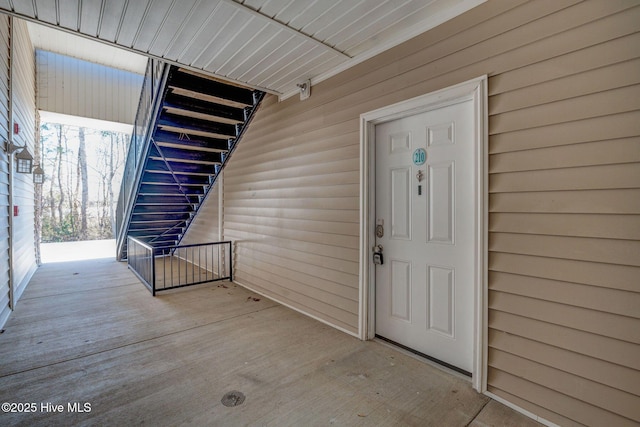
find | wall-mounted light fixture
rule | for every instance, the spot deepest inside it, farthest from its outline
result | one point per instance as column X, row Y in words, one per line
column 305, row 89
column 38, row 175
column 24, row 159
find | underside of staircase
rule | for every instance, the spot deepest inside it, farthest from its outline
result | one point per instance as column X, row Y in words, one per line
column 198, row 124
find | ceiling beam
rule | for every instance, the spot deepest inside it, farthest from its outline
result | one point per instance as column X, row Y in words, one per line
column 287, row 28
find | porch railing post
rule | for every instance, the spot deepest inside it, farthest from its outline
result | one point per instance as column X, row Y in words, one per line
column 230, row 257
column 153, row 272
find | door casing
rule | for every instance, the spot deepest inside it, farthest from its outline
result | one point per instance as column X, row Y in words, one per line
column 475, row 90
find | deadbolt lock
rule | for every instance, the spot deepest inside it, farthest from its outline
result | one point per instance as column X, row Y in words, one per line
column 378, row 259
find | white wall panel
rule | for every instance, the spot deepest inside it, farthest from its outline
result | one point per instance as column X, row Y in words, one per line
column 5, row 209
column 24, row 114
column 75, row 87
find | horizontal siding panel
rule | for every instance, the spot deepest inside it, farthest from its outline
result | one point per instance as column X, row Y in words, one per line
column 602, row 54
column 582, row 319
column 312, row 306
column 326, row 251
column 575, row 409
column 199, row 234
column 350, row 242
column 624, row 303
column 626, row 227
column 597, row 370
column 587, row 201
column 611, row 251
column 592, row 81
column 5, row 311
column 205, row 228
column 341, row 153
column 316, row 142
column 578, row 178
column 621, row 277
column 346, row 190
column 314, row 169
column 540, row 411
column 327, row 202
column 296, row 129
column 598, row 395
column 343, row 288
column 4, row 296
column 298, row 182
column 341, row 265
column 23, row 254
column 615, row 101
column 616, row 151
column 623, row 125
column 297, row 224
column 598, row 346
column 350, row 216
column 291, row 198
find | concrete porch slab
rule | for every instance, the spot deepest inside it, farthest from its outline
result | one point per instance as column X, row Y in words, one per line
column 89, row 332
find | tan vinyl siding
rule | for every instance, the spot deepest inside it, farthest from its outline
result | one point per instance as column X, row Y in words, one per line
column 291, row 205
column 24, row 107
column 564, row 195
column 5, row 209
column 564, row 241
column 205, row 228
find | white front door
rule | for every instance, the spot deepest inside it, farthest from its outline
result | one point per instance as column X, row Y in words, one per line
column 425, row 287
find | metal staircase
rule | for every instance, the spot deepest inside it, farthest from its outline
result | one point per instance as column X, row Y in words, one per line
column 186, row 128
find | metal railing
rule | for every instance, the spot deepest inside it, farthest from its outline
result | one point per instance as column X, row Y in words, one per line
column 142, row 262
column 148, row 105
column 170, row 267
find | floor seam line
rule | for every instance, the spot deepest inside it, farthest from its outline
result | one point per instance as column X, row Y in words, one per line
column 76, row 292
column 478, row 413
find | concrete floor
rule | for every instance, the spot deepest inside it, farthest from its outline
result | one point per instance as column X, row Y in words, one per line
column 87, row 332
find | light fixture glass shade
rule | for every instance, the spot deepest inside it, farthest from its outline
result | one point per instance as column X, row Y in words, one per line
column 38, row 175
column 24, row 161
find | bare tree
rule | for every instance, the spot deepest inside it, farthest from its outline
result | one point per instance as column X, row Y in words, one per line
column 59, row 172
column 50, row 157
column 103, row 152
column 73, row 208
column 82, row 168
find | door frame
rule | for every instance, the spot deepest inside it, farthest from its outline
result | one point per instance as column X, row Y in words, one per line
column 476, row 91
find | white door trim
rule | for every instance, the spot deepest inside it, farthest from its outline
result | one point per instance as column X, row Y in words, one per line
column 475, row 90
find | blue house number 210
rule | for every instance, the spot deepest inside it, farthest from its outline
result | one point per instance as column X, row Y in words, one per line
column 419, row 156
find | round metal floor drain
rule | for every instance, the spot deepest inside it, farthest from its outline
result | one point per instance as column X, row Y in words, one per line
column 232, row 398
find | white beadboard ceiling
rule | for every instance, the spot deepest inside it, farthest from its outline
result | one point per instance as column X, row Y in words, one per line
column 267, row 44
column 52, row 40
